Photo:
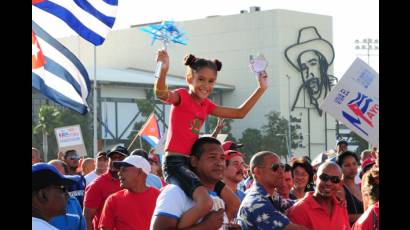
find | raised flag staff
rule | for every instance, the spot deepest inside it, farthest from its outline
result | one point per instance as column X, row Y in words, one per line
column 149, row 132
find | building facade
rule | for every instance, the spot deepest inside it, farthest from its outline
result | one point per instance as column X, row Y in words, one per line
column 297, row 46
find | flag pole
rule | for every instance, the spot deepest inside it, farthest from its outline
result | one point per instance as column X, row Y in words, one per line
column 139, row 131
column 95, row 103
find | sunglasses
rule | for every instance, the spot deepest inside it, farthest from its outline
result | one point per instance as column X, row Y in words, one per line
column 74, row 158
column 276, row 166
column 334, row 179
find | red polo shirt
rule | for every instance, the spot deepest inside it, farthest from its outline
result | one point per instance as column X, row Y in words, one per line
column 96, row 194
column 309, row 213
column 127, row 210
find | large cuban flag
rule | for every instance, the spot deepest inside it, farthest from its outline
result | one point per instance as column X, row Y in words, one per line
column 91, row 19
column 57, row 73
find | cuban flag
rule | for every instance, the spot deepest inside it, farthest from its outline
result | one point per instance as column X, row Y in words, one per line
column 91, row 19
column 57, row 73
column 150, row 131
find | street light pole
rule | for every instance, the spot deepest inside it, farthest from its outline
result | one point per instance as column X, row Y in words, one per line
column 289, row 130
column 287, row 145
column 367, row 44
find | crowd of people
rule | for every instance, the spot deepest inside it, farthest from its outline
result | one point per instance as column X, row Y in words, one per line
column 115, row 192
column 203, row 183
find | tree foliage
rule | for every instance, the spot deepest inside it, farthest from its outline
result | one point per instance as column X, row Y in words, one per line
column 252, row 141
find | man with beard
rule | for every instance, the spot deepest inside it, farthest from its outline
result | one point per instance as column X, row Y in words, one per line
column 98, row 191
column 132, row 207
column 320, row 210
column 233, row 173
column 312, row 56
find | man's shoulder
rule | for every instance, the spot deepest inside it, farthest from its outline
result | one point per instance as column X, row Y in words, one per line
column 172, row 202
column 37, row 224
column 307, row 203
column 171, row 190
column 90, row 175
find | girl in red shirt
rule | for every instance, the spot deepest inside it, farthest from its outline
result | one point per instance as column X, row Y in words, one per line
column 188, row 112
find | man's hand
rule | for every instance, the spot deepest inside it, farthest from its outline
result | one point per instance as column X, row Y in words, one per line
column 214, row 219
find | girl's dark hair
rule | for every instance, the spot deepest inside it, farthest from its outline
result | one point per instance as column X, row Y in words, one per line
column 199, row 63
column 304, row 163
column 340, row 159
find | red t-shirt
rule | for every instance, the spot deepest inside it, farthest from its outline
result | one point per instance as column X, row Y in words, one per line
column 309, row 213
column 186, row 120
column 98, row 191
column 128, row 210
column 365, row 221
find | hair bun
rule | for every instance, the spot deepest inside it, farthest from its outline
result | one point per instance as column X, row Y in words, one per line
column 189, row 59
column 218, row 64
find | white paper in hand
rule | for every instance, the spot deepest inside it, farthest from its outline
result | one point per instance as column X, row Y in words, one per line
column 258, row 64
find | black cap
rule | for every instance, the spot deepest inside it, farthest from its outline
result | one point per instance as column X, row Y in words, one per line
column 44, row 175
column 230, row 145
column 140, row 152
column 119, row 149
column 101, row 154
column 342, row 142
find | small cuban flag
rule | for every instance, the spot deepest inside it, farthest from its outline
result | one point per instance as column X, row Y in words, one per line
column 150, row 131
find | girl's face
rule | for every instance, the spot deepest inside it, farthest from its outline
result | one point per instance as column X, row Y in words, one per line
column 301, row 177
column 202, row 83
column 349, row 167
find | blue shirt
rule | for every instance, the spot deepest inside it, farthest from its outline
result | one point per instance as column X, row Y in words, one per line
column 240, row 194
column 259, row 211
column 153, row 181
column 73, row 219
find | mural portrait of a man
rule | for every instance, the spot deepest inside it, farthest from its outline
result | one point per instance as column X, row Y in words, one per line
column 312, row 56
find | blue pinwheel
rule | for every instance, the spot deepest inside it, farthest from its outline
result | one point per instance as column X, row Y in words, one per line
column 166, row 32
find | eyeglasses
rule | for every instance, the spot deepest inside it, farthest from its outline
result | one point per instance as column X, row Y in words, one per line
column 334, row 179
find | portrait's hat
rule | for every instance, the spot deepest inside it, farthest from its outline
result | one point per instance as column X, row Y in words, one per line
column 309, row 39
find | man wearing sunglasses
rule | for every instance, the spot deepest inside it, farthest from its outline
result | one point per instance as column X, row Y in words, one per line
column 261, row 208
column 48, row 195
column 320, row 210
column 72, row 159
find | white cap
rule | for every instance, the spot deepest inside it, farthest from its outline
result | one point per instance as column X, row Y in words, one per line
column 136, row 161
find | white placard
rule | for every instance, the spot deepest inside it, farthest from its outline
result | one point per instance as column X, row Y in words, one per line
column 70, row 137
column 355, row 101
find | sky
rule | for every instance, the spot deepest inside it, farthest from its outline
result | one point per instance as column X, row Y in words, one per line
column 352, row 19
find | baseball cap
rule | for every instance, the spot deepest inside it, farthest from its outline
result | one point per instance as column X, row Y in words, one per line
column 230, row 145
column 135, row 161
column 119, row 149
column 44, row 175
column 140, row 152
column 232, row 153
